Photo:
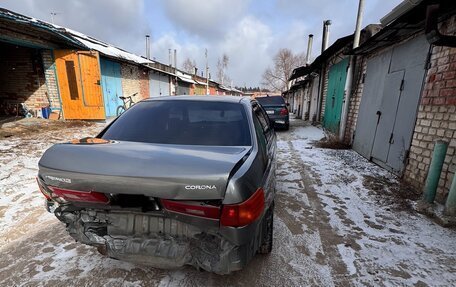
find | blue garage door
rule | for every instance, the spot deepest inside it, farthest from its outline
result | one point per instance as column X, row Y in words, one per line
column 111, row 81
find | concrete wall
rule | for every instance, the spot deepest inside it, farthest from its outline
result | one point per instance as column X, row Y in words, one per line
column 436, row 117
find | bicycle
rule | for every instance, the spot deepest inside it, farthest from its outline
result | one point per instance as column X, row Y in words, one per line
column 127, row 103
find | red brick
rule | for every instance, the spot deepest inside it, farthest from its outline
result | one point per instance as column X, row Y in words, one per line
column 451, row 83
column 433, row 93
column 426, row 101
column 439, row 85
column 429, row 86
column 449, row 75
column 451, row 101
column 438, row 101
column 447, row 92
column 452, row 67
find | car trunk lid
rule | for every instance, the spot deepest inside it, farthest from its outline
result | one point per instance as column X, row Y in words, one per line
column 273, row 110
column 156, row 170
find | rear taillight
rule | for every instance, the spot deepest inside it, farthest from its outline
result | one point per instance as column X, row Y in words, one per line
column 192, row 208
column 43, row 189
column 283, row 112
column 79, row 196
column 244, row 213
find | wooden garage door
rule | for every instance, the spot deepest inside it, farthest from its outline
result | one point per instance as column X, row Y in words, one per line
column 79, row 81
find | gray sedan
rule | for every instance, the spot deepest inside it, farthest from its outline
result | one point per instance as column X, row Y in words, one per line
column 183, row 180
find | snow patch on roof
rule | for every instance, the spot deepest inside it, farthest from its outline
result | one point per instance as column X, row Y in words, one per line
column 78, row 37
column 106, row 48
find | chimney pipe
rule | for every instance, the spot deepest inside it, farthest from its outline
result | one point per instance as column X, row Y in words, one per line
column 325, row 39
column 170, row 60
column 309, row 49
column 148, row 47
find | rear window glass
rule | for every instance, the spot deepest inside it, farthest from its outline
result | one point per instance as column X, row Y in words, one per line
column 271, row 101
column 183, row 122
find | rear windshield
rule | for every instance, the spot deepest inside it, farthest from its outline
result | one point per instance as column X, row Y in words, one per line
column 183, row 122
column 271, row 101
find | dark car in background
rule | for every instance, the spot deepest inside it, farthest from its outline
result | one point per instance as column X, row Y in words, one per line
column 277, row 110
column 173, row 181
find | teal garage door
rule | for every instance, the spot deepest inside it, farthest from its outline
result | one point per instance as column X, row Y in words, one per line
column 335, row 95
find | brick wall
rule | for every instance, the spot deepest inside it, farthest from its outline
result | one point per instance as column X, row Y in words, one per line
column 144, row 83
column 51, row 78
column 355, row 100
column 133, row 81
column 325, row 90
column 22, row 77
column 436, row 117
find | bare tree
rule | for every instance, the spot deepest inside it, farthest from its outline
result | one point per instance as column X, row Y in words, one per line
column 189, row 66
column 276, row 77
column 222, row 64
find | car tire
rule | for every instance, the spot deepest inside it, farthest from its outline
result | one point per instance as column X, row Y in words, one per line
column 287, row 127
column 267, row 238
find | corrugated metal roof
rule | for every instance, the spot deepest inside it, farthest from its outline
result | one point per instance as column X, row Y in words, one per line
column 53, row 29
column 185, row 79
column 331, row 50
column 201, row 83
column 406, row 25
column 74, row 37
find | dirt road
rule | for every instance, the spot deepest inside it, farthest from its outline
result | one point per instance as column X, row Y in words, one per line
column 337, row 223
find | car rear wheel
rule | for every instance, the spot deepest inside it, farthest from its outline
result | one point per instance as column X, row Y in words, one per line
column 266, row 245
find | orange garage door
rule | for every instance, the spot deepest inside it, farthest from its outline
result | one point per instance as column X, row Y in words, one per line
column 79, row 81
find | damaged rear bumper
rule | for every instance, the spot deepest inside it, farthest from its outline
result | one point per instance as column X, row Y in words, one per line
column 155, row 240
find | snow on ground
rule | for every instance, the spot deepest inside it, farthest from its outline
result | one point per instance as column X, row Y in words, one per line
column 20, row 200
column 388, row 245
column 336, row 224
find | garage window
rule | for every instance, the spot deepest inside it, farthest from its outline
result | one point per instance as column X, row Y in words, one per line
column 72, row 82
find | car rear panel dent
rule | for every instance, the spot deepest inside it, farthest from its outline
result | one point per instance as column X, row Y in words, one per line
column 157, row 241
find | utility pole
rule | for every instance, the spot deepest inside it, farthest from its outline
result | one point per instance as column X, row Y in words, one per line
column 350, row 71
column 207, row 74
column 175, row 71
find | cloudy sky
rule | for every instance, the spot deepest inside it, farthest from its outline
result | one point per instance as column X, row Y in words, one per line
column 250, row 32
